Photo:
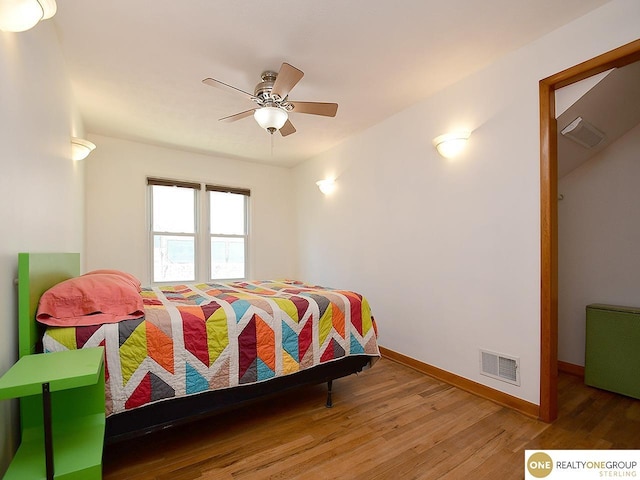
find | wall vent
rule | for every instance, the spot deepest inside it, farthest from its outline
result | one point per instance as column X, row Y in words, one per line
column 500, row 367
column 583, row 133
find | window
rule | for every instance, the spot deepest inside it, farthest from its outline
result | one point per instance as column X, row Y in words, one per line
column 173, row 230
column 182, row 249
column 228, row 232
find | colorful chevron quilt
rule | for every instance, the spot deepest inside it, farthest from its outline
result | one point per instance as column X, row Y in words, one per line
column 219, row 335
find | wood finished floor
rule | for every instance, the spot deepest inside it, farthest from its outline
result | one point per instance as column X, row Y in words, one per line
column 389, row 422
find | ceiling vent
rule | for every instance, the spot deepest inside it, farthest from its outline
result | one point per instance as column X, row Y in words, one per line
column 582, row 132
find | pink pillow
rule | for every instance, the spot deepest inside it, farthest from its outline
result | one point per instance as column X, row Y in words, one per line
column 90, row 300
column 128, row 276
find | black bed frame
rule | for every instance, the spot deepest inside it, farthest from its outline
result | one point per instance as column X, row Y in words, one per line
column 175, row 411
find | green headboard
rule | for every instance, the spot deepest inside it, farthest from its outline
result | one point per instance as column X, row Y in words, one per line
column 37, row 272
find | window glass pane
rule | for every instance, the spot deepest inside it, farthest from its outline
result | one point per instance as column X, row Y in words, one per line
column 173, row 258
column 173, row 209
column 227, row 213
column 227, row 257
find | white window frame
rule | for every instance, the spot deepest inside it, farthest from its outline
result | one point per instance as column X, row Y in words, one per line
column 196, row 187
column 202, row 233
column 245, row 236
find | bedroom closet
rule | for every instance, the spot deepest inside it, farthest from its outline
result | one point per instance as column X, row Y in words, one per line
column 552, row 333
column 598, row 237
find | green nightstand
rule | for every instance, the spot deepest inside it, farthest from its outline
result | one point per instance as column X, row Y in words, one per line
column 62, row 414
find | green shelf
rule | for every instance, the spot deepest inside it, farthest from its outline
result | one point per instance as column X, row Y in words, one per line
column 62, row 370
column 77, row 452
column 76, row 385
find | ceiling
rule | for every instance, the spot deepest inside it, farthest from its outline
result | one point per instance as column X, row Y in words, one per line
column 610, row 105
column 136, row 66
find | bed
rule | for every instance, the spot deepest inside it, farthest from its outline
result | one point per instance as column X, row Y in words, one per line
column 199, row 349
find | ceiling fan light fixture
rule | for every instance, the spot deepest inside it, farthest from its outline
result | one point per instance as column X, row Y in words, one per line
column 271, row 95
column 271, row 118
column 21, row 15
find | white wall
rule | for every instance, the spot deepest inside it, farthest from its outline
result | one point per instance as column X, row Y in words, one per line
column 448, row 252
column 116, row 204
column 598, row 239
column 41, row 188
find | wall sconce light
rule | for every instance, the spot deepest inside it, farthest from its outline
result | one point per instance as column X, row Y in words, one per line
column 450, row 145
column 21, row 15
column 326, row 186
column 81, row 148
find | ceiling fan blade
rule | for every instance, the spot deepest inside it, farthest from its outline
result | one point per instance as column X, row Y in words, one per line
column 212, row 82
column 237, row 116
column 287, row 128
column 287, row 78
column 315, row 108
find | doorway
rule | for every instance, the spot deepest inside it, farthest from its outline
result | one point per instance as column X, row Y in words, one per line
column 549, row 214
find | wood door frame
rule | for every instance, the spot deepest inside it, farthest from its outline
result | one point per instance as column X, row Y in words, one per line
column 619, row 57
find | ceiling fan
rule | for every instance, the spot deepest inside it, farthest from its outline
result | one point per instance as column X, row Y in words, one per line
column 272, row 97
